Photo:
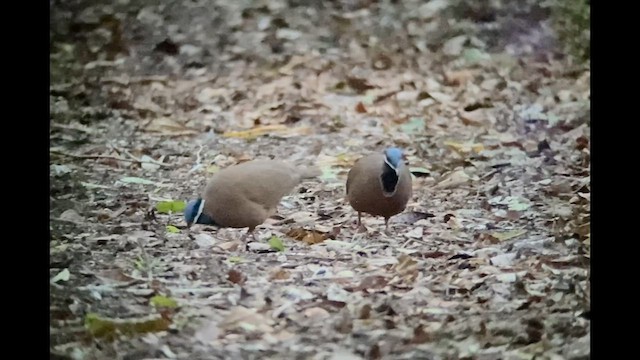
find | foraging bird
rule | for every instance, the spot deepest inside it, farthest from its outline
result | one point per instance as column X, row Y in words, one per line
column 245, row 195
column 379, row 185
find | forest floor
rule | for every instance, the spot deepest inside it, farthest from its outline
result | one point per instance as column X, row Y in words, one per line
column 490, row 260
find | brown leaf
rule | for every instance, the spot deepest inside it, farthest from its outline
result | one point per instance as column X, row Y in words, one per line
column 247, row 320
column 309, row 237
column 381, row 62
column 407, row 268
column 365, row 312
column 279, row 274
column 360, row 107
column 454, row 179
column 276, row 129
column 372, row 282
column 459, row 77
column 236, row 277
column 477, row 117
column 166, row 126
column 420, row 336
column 344, row 324
column 359, row 85
column 111, row 276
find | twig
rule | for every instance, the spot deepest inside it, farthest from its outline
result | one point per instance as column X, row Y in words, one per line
column 150, row 160
column 198, row 159
column 88, row 157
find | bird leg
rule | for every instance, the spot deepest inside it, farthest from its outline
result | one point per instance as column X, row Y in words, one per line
column 361, row 227
column 244, row 238
column 386, row 226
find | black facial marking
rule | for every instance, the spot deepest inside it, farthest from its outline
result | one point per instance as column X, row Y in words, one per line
column 389, row 179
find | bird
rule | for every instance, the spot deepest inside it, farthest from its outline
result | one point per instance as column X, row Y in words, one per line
column 379, row 184
column 246, row 194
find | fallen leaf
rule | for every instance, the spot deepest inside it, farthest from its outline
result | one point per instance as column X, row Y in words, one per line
column 247, row 320
column 276, row 243
column 360, row 108
column 175, row 206
column 456, row 178
column 72, row 216
column 60, row 169
column 329, row 172
column 163, row 301
column 474, row 55
column 309, row 237
column 406, row 267
column 204, row 241
column 477, row 117
column 459, row 77
column 410, row 217
column 172, row 229
column 316, row 313
column 279, row 274
column 166, row 126
column 136, row 180
column 464, row 148
column 507, row 277
column 236, row 277
column 102, row 327
column 148, row 163
column 63, row 275
column 453, row 46
column 419, row 171
column 272, row 129
column 372, row 282
column 94, row 186
column 415, row 233
column 506, row 235
column 208, row 332
column 297, row 294
column 359, row 85
column 235, row 259
column 336, row 293
column 503, row 260
column 414, row 126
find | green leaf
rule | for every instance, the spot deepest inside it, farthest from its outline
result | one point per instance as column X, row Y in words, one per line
column 171, row 206
column 235, row 259
column 276, row 243
column 519, row 204
column 329, row 173
column 172, row 229
column 413, row 126
column 61, row 276
column 474, row 55
column 136, row 180
column 102, row 327
column 163, row 301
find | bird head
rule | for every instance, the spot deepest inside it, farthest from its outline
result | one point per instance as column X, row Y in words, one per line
column 393, row 158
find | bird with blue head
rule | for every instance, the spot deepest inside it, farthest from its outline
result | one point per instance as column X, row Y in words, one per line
column 246, row 194
column 379, row 184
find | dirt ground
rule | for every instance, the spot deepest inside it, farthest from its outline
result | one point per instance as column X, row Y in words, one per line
column 490, row 259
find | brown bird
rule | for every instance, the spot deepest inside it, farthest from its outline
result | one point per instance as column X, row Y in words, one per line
column 245, row 195
column 379, row 185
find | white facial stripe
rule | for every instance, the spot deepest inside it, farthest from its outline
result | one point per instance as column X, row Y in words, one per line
column 386, row 160
column 200, row 208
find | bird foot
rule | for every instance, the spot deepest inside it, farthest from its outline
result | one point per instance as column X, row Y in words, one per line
column 361, row 228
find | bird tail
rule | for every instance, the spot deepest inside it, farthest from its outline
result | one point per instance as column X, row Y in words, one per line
column 309, row 171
